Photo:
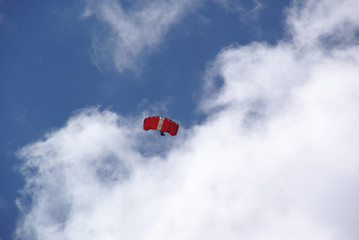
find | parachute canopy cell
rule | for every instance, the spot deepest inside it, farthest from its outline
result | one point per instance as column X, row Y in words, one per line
column 160, row 123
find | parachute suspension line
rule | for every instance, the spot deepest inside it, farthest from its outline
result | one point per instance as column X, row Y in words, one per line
column 160, row 122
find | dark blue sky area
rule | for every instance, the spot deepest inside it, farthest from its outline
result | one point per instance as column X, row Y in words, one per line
column 46, row 72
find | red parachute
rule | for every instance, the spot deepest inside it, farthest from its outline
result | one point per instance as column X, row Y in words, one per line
column 162, row 124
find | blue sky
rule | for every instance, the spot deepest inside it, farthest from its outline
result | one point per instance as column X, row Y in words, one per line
column 265, row 95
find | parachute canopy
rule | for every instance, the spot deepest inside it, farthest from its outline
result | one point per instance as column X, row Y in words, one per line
column 160, row 123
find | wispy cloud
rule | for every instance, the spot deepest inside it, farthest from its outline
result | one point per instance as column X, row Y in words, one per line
column 132, row 32
column 3, row 204
column 2, row 18
column 249, row 9
column 276, row 159
column 2, row 15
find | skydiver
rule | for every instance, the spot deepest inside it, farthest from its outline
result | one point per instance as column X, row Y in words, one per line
column 162, row 134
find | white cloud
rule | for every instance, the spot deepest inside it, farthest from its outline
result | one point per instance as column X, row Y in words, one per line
column 133, row 31
column 276, row 159
column 320, row 20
